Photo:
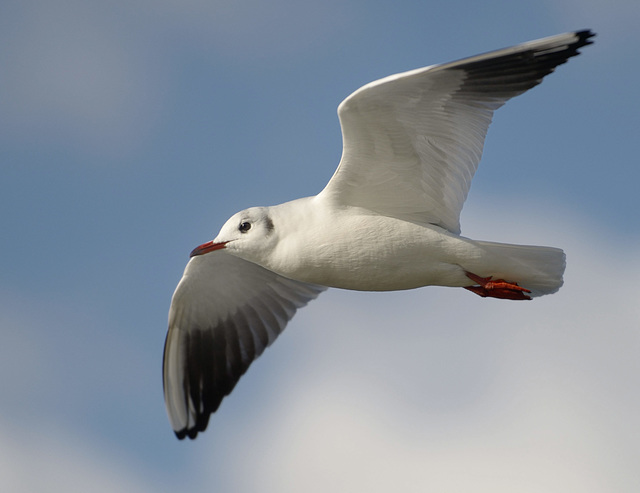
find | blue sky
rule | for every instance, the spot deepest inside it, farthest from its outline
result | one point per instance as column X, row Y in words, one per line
column 130, row 131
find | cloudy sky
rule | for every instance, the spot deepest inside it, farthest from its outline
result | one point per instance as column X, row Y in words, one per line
column 130, row 131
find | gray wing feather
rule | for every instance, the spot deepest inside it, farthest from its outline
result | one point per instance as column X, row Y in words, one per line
column 224, row 313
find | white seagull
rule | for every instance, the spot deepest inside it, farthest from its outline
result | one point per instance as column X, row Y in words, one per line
column 387, row 220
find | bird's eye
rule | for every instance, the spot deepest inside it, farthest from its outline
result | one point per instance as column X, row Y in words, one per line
column 244, row 227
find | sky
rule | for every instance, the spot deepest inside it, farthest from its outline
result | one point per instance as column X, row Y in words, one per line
column 131, row 130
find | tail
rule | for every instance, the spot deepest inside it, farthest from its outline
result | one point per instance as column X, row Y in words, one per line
column 536, row 268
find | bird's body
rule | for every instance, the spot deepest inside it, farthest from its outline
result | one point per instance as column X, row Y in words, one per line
column 353, row 248
column 387, row 220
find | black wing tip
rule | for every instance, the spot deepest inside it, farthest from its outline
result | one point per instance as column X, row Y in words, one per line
column 584, row 37
column 571, row 49
column 192, row 433
column 181, row 434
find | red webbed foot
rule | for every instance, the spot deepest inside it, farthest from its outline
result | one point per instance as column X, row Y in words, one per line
column 497, row 289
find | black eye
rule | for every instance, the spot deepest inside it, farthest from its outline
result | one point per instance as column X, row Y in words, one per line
column 244, row 227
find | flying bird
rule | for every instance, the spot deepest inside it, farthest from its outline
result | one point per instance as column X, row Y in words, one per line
column 387, row 220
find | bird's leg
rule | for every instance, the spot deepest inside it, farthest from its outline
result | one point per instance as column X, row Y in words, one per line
column 497, row 289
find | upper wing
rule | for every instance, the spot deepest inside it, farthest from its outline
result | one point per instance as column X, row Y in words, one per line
column 412, row 141
column 224, row 313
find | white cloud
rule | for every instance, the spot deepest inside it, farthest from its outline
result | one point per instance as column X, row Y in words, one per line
column 45, row 459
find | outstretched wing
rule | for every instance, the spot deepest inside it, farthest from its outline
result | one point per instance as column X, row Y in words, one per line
column 224, row 313
column 412, row 141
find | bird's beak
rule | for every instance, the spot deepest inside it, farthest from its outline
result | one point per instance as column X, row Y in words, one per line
column 207, row 247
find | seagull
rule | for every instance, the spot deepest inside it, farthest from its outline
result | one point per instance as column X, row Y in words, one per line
column 387, row 220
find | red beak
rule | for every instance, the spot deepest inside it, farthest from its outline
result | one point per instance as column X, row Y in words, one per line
column 207, row 247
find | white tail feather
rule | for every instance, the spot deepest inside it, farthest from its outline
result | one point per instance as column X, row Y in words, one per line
column 537, row 268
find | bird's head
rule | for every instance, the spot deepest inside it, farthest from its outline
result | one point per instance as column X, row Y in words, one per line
column 247, row 234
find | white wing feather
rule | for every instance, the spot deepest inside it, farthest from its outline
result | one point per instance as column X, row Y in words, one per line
column 412, row 141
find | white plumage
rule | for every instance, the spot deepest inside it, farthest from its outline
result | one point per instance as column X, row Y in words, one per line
column 387, row 220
